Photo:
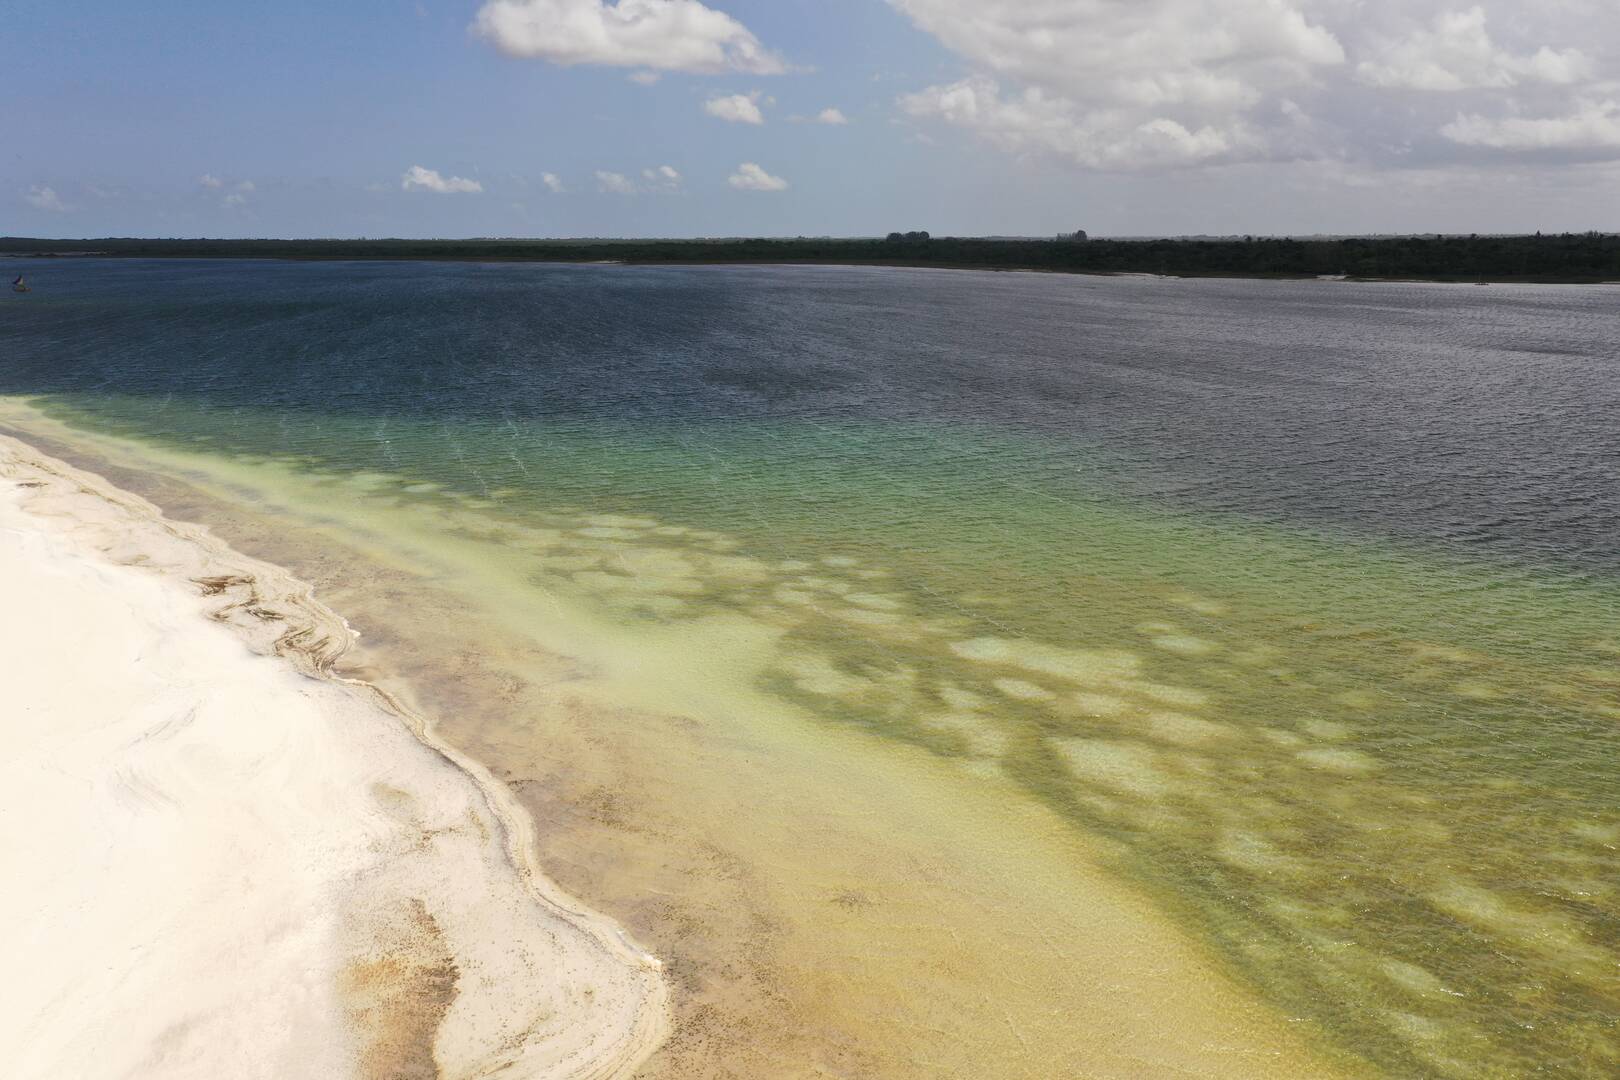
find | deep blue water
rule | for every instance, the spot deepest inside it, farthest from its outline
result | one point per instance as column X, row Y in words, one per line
column 1478, row 417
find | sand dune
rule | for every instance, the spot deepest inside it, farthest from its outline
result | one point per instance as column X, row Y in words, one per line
column 221, row 861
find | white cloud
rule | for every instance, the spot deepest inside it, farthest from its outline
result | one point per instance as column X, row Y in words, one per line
column 736, row 108
column 1594, row 126
column 614, row 183
column 41, row 197
column 245, row 185
column 209, row 180
column 750, row 177
column 662, row 178
column 658, row 35
column 1455, row 52
column 234, row 199
column 553, row 183
column 1121, row 85
column 417, row 178
column 655, row 179
column 1155, row 84
column 1145, row 54
column 645, row 78
column 1034, row 121
column 825, row 116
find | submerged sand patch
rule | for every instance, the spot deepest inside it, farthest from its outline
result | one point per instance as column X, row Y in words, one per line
column 222, row 860
column 726, row 827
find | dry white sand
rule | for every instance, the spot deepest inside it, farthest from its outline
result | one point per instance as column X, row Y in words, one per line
column 216, row 860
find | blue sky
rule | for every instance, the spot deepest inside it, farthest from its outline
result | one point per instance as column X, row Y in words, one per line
column 179, row 117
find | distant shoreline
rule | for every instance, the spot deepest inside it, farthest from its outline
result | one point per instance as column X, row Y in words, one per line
column 1574, row 258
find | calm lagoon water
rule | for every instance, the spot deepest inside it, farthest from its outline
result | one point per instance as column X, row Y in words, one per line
column 1300, row 598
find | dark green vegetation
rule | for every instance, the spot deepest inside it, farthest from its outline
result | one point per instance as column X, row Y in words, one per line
column 1566, row 257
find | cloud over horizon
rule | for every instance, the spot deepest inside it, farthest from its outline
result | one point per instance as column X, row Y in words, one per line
column 750, row 177
column 735, row 108
column 614, row 183
column 1171, row 84
column 655, row 179
column 1455, row 52
column 1595, row 126
column 416, row 178
column 662, row 178
column 42, row 197
column 997, row 117
column 654, row 35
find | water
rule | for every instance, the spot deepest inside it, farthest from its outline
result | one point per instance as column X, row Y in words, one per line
column 1301, row 596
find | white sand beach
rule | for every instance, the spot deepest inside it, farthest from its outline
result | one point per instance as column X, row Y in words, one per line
column 220, row 861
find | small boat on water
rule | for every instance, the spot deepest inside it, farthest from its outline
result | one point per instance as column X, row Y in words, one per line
column 19, row 285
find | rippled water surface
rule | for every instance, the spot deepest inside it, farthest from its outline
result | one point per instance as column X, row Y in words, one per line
column 1306, row 594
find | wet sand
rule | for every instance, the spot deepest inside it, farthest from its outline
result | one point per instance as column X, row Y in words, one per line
column 221, row 859
column 825, row 904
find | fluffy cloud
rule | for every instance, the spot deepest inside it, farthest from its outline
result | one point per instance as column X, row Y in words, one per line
column 662, row 178
column 1595, row 126
column 828, row 115
column 1121, row 85
column 553, row 183
column 1033, row 120
column 750, row 177
column 653, row 180
column 417, row 178
column 1455, row 52
column 1153, row 84
column 1145, row 53
column 736, row 108
column 657, row 35
column 41, row 197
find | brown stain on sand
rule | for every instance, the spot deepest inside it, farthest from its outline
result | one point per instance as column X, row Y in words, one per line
column 396, row 996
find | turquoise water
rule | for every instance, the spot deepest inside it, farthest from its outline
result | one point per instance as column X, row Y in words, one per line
column 1306, row 598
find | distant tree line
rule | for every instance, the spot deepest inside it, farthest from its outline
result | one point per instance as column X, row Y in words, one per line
column 1561, row 257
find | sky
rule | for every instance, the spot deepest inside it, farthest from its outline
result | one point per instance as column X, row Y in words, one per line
column 568, row 118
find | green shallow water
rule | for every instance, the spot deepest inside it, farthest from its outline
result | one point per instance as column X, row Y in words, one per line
column 1380, row 777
